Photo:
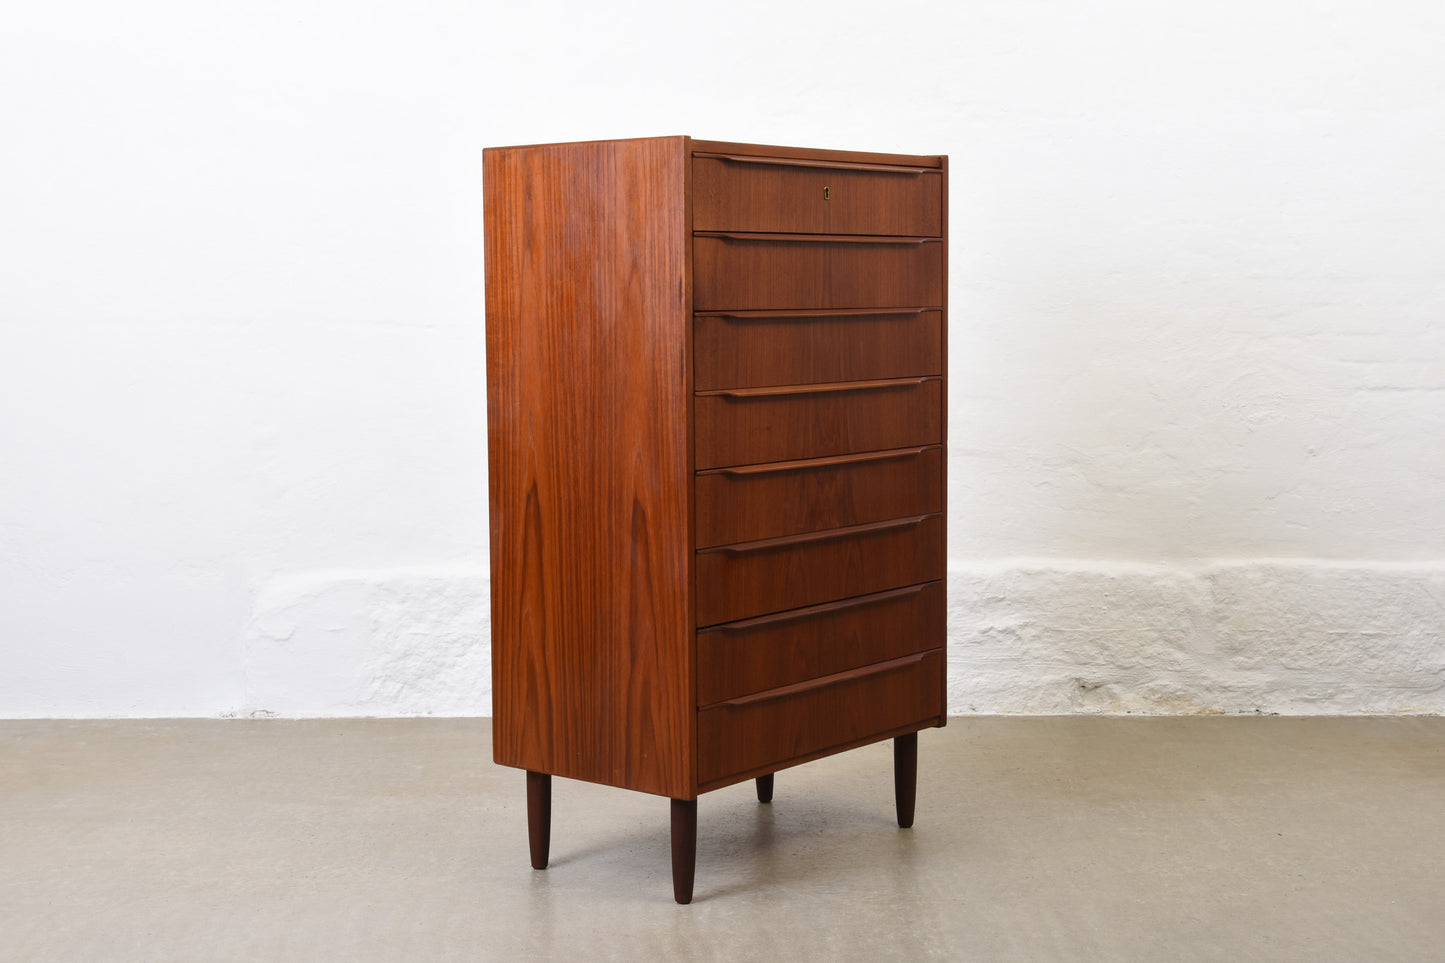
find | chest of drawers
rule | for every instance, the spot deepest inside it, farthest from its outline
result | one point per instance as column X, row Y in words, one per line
column 716, row 379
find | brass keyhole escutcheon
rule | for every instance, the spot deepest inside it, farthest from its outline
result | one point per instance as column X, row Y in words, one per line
column 826, row 192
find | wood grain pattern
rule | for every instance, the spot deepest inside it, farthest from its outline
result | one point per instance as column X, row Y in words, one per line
column 588, row 400
column 772, row 348
column 740, row 658
column 757, row 578
column 739, row 505
column 818, row 154
column 734, row 195
column 735, row 739
column 747, row 429
column 760, row 273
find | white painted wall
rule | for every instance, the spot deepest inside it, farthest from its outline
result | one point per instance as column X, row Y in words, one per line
column 1198, row 356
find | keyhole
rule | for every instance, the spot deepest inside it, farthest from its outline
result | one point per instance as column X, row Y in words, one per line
column 825, row 194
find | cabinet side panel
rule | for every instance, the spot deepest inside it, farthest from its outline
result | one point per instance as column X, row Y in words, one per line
column 587, row 316
column 943, row 481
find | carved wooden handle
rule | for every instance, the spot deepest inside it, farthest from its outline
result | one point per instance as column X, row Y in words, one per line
column 827, row 165
column 775, row 391
column 818, row 238
column 862, row 601
column 806, row 463
column 828, row 681
column 802, row 314
column 788, row 541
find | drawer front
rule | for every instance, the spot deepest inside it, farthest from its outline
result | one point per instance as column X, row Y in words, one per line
column 762, row 732
column 758, row 348
column 732, row 193
column 757, row 578
column 741, row 658
column 786, row 498
column 760, row 271
column 747, row 426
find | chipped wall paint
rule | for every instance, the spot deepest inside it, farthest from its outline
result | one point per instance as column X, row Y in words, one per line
column 370, row 645
column 1196, row 315
column 1025, row 636
column 1257, row 636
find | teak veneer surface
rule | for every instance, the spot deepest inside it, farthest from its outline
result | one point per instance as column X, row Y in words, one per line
column 755, row 271
column 740, row 428
column 743, row 349
column 753, row 655
column 588, row 408
column 754, row 578
column 741, row 192
column 786, row 498
column 741, row 735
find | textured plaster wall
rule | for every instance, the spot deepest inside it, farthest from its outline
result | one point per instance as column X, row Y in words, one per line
column 1215, row 637
column 1197, row 347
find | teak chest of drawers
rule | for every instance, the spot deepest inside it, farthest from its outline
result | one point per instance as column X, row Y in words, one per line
column 716, row 381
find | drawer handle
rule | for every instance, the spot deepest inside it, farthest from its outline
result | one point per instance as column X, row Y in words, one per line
column 827, row 165
column 781, row 390
column 827, row 681
column 807, row 463
column 819, row 238
column 861, row 602
column 815, row 313
column 789, row 541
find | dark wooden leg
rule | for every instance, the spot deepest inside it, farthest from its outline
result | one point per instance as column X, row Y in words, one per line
column 684, row 848
column 765, row 788
column 905, row 776
column 539, row 816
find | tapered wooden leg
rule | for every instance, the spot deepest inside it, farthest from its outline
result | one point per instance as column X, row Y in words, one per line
column 539, row 816
column 765, row 788
column 684, row 848
column 905, row 776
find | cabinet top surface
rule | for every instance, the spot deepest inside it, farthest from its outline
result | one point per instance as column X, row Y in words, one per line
column 761, row 150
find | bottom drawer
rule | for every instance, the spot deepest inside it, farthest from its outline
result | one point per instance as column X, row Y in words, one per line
column 758, row 733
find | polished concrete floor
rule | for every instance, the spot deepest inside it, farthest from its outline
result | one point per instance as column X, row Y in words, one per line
column 1078, row 838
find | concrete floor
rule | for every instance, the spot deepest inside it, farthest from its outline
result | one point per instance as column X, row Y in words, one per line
column 1078, row 838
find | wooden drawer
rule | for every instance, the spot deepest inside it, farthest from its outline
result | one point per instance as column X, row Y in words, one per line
column 743, row 193
column 756, row 348
column 746, row 426
column 756, row 578
column 762, row 732
column 740, row 658
column 738, row 271
column 785, row 498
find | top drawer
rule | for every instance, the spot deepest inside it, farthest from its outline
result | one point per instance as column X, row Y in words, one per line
column 773, row 194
